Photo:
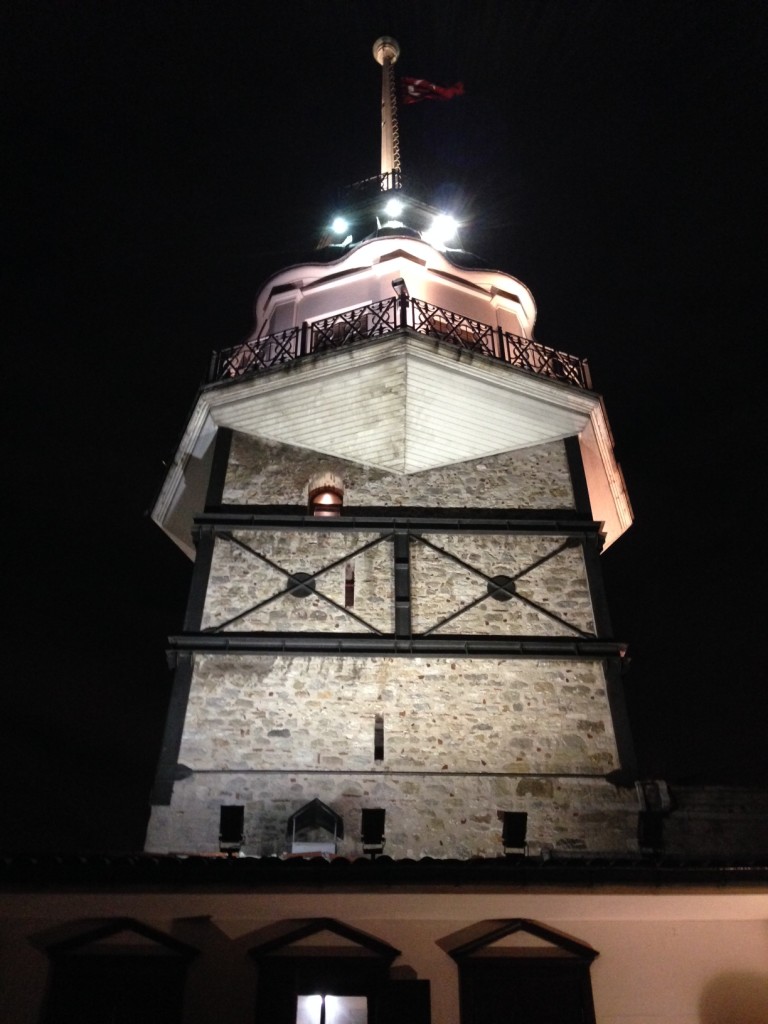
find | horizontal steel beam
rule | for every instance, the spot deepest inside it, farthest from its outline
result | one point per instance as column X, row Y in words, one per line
column 270, row 520
column 389, row 646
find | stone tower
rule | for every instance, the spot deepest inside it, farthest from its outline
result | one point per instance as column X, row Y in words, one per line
column 396, row 500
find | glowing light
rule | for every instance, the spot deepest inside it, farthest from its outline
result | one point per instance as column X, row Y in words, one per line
column 337, row 1009
column 442, row 230
column 327, row 501
column 308, row 1009
column 393, row 208
column 339, row 225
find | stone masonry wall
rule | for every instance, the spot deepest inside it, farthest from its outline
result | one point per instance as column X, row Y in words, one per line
column 549, row 575
column 240, row 579
column 470, row 714
column 464, row 738
column 433, row 816
column 551, row 585
column 267, row 473
column 717, row 821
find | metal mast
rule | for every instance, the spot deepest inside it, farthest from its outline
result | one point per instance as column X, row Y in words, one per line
column 386, row 51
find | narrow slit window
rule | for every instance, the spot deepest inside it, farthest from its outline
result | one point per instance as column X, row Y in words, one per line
column 349, row 585
column 378, row 738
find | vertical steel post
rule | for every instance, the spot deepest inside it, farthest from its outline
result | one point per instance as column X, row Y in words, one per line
column 402, row 555
column 402, row 302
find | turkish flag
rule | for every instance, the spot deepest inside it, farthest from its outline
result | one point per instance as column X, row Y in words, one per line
column 414, row 90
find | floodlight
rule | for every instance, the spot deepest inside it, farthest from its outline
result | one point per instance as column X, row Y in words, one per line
column 393, row 208
column 442, row 230
column 339, row 225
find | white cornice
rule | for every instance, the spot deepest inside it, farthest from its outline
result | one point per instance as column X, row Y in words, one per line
column 404, row 404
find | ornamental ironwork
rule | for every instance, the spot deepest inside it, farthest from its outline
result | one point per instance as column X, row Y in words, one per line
column 379, row 319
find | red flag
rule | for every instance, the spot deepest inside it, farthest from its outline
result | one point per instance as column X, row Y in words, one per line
column 414, row 90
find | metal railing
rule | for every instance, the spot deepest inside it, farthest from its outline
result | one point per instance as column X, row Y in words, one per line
column 378, row 319
column 375, row 185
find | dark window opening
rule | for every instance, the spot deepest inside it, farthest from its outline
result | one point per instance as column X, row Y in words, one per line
column 378, row 738
column 537, row 991
column 121, row 971
column 372, row 830
column 349, row 585
column 231, row 830
column 513, row 832
column 117, row 989
column 546, row 983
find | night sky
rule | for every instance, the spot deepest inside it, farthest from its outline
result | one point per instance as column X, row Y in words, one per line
column 166, row 157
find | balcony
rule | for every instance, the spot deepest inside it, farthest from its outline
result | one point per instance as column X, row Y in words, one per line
column 379, row 319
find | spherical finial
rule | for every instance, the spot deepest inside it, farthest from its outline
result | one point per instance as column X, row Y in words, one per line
column 386, row 48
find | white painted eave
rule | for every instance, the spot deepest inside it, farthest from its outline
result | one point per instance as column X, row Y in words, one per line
column 385, row 258
column 403, row 404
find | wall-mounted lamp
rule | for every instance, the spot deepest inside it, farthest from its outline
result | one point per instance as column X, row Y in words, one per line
column 400, row 288
column 326, row 501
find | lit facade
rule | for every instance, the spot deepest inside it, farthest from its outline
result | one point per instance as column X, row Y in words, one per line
column 434, row 642
column 397, row 781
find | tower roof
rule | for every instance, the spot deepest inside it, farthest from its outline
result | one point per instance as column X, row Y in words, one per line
column 393, row 347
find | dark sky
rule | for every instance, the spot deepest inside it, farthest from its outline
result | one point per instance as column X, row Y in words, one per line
column 167, row 156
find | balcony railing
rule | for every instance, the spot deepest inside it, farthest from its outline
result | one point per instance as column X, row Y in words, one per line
column 379, row 319
column 375, row 185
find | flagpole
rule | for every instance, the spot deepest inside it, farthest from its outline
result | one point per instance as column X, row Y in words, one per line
column 386, row 51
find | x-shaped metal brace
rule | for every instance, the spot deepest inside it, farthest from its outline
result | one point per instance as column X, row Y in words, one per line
column 297, row 584
column 494, row 585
